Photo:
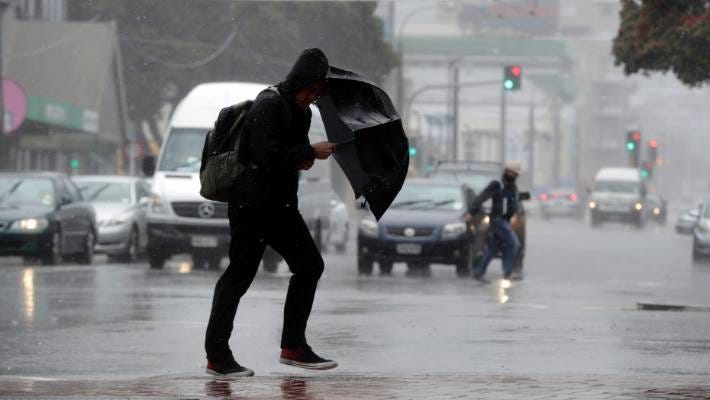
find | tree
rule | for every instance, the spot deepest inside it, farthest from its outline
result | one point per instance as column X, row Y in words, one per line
column 660, row 35
column 169, row 46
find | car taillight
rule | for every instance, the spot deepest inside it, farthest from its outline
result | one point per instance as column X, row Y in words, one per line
column 543, row 197
column 573, row 197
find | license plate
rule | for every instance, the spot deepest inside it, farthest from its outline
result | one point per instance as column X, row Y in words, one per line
column 204, row 241
column 408, row 248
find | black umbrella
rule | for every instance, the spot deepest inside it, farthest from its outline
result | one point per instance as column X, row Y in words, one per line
column 372, row 148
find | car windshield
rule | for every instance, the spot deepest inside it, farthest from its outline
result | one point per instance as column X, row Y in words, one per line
column 26, row 191
column 616, row 187
column 477, row 180
column 426, row 196
column 183, row 150
column 106, row 192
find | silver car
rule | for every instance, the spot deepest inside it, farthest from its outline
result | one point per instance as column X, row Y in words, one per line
column 120, row 203
column 686, row 223
column 701, row 234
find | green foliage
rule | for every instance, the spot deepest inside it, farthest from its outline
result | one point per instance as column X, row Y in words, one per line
column 661, row 35
column 169, row 46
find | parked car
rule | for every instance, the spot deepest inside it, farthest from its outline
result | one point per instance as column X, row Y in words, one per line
column 321, row 207
column 43, row 215
column 560, row 203
column 686, row 223
column 657, row 208
column 701, row 234
column 477, row 175
column 425, row 224
column 120, row 203
column 619, row 194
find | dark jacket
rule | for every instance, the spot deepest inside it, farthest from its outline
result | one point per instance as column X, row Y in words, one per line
column 505, row 199
column 277, row 137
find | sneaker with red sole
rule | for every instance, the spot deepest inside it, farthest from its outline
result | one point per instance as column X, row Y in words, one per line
column 229, row 369
column 304, row 357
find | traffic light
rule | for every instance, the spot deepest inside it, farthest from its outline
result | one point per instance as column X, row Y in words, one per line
column 647, row 169
column 633, row 142
column 412, row 151
column 512, row 75
column 74, row 163
column 653, row 151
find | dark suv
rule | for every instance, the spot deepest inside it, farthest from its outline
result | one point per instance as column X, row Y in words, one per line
column 477, row 175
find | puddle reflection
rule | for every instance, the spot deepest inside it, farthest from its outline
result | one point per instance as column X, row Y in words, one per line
column 503, row 286
column 28, row 290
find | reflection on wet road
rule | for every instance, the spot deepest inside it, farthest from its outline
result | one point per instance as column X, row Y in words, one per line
column 570, row 327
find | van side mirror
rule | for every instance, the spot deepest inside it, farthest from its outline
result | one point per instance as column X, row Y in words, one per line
column 148, row 165
column 524, row 196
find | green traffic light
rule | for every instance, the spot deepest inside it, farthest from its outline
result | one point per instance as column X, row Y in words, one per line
column 630, row 146
column 508, row 84
column 74, row 163
column 644, row 173
column 412, row 151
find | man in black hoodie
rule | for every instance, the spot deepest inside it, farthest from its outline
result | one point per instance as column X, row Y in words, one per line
column 265, row 212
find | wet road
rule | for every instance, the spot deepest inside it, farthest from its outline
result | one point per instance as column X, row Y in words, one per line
column 571, row 327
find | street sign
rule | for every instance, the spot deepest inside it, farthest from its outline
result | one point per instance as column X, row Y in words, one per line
column 14, row 106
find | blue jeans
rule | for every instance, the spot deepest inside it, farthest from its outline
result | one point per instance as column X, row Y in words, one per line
column 502, row 235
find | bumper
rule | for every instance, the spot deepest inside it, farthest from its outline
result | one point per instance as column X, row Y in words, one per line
column 113, row 239
column 171, row 238
column 431, row 251
column 25, row 244
column 623, row 216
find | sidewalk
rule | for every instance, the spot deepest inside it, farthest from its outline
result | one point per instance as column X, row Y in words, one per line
column 326, row 386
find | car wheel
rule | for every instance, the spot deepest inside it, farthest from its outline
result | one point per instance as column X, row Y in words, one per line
column 53, row 256
column 214, row 262
column 386, row 267
column 463, row 267
column 87, row 255
column 157, row 260
column 131, row 254
column 364, row 266
column 596, row 221
column 271, row 262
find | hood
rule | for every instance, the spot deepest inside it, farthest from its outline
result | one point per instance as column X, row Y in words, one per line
column 402, row 217
column 24, row 211
column 311, row 66
column 178, row 186
column 106, row 211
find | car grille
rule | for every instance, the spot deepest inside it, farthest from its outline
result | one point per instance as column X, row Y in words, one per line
column 418, row 232
column 192, row 209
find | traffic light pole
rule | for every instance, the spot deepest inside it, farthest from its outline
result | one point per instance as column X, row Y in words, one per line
column 503, row 136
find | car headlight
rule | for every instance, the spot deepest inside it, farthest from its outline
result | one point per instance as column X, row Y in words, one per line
column 486, row 220
column 30, row 225
column 156, row 205
column 592, row 205
column 638, row 206
column 455, row 229
column 119, row 219
column 656, row 211
column 369, row 228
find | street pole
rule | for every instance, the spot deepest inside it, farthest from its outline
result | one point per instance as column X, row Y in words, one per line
column 531, row 130
column 5, row 142
column 502, row 126
column 455, row 116
column 558, row 140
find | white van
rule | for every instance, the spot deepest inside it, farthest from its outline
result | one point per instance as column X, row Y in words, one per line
column 180, row 221
column 619, row 194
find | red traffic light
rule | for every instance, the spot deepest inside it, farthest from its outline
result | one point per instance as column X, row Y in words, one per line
column 652, row 143
column 636, row 136
column 516, row 70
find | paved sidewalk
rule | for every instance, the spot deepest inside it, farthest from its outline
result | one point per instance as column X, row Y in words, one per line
column 326, row 386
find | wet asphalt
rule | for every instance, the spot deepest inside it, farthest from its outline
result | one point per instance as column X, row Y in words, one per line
column 571, row 327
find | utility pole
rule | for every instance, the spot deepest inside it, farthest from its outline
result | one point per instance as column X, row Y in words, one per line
column 455, row 116
column 4, row 140
column 531, row 135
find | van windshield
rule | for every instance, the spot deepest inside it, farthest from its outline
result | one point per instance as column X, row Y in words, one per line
column 616, row 187
column 183, row 150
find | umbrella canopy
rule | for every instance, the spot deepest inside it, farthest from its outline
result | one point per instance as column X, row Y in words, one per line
column 372, row 148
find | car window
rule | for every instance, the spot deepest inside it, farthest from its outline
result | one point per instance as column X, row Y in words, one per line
column 109, row 192
column 26, row 191
column 72, row 190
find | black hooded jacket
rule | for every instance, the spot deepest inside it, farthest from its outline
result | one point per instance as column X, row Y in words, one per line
column 277, row 137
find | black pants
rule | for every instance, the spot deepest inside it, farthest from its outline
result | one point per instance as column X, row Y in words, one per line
column 252, row 230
